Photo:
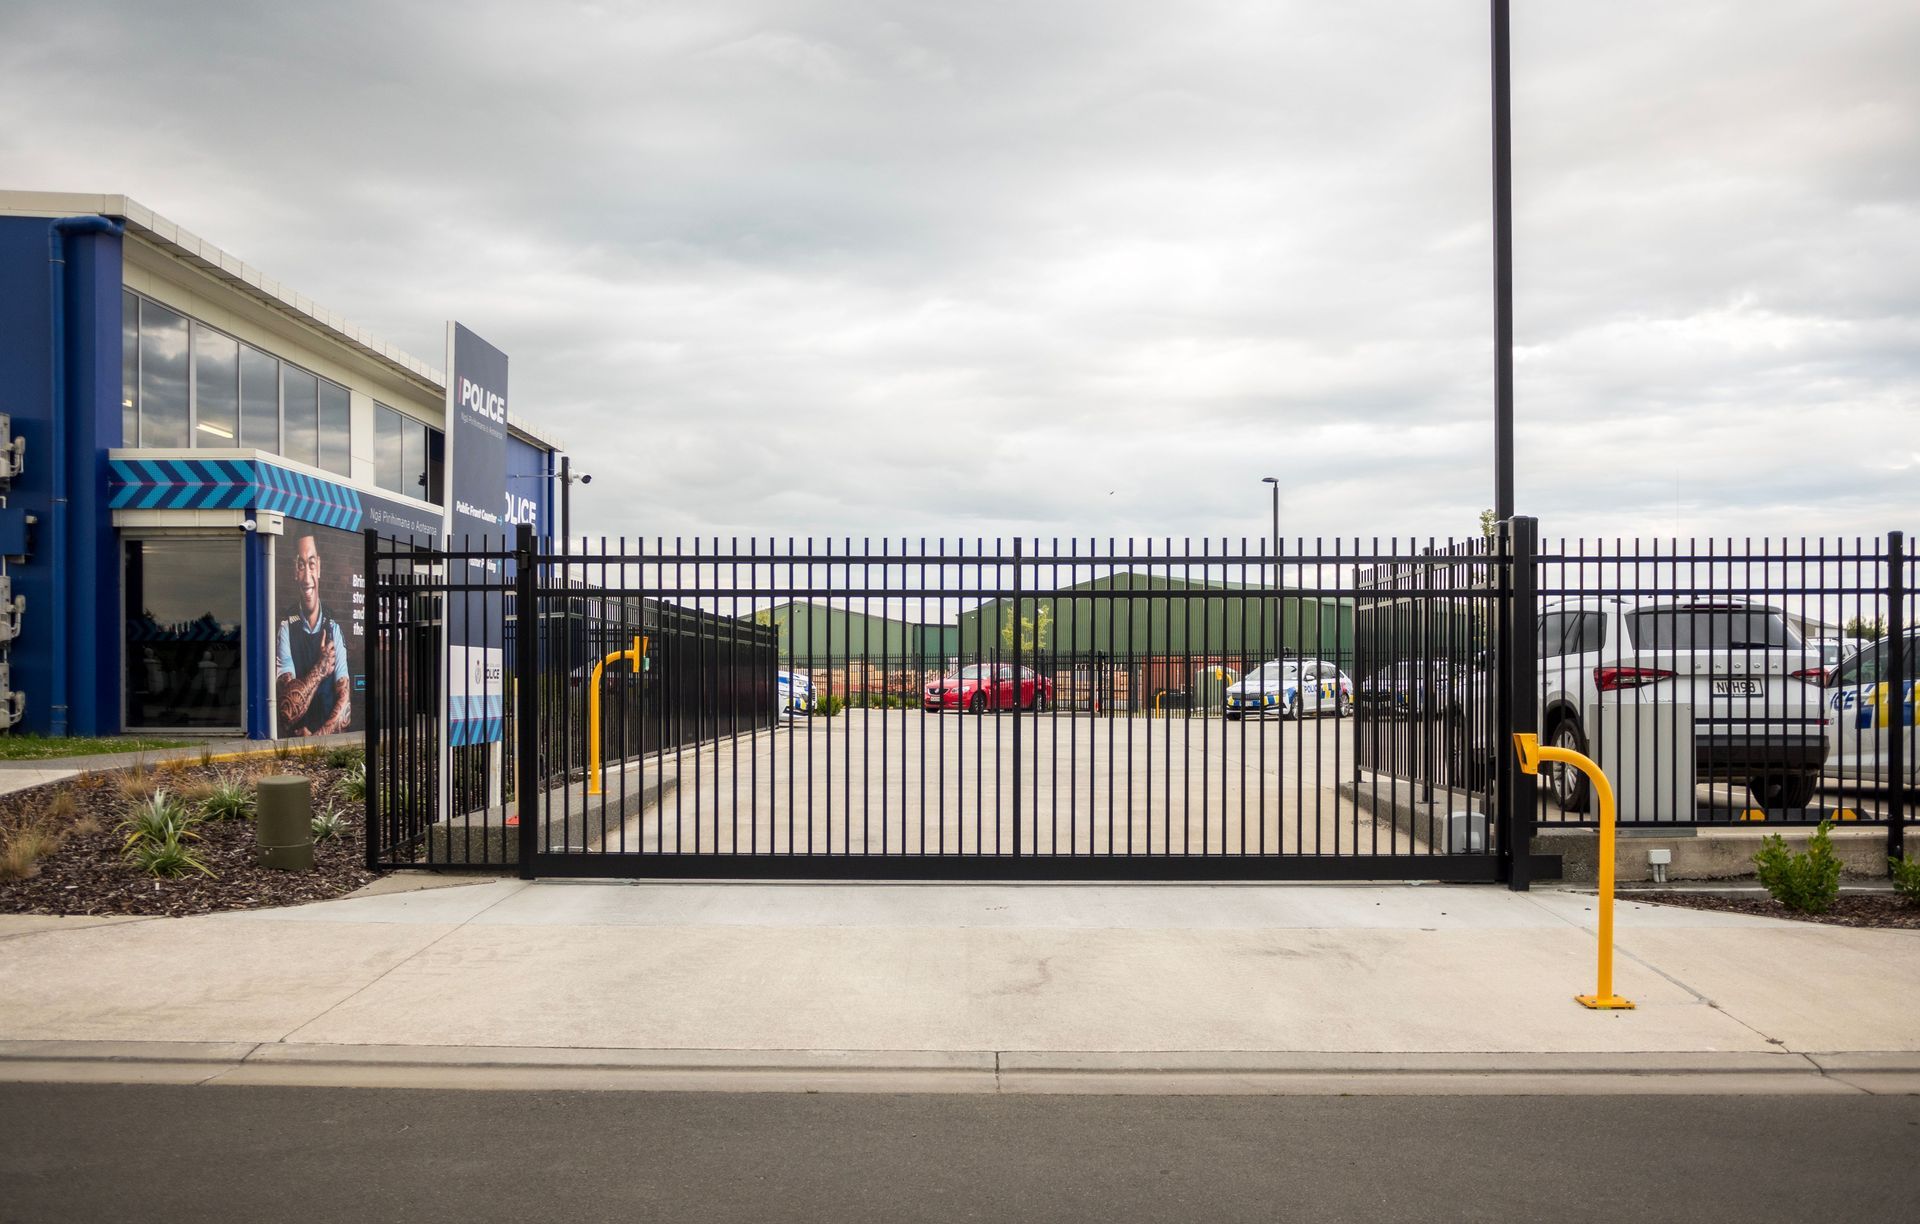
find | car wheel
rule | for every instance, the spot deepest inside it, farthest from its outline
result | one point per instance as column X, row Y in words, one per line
column 1039, row 705
column 1782, row 790
column 1344, row 709
column 1569, row 784
column 1293, row 707
column 1232, row 716
column 978, row 705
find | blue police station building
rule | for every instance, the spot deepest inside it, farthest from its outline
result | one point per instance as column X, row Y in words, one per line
column 191, row 451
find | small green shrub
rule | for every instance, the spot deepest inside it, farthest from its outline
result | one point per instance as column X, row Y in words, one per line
column 282, row 750
column 1906, row 878
column 353, row 784
column 829, row 704
column 157, row 837
column 327, row 825
column 159, row 819
column 344, row 756
column 170, row 857
column 1807, row 882
column 227, row 799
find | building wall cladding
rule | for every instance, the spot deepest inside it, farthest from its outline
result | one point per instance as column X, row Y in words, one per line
column 92, row 425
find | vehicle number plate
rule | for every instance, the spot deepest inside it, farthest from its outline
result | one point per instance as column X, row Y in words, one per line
column 1739, row 688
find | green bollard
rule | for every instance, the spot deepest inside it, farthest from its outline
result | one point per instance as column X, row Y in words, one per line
column 283, row 830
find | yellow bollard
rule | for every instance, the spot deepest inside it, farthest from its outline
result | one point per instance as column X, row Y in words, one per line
column 637, row 657
column 1531, row 754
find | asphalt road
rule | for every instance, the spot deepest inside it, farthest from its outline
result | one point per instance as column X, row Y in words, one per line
column 107, row 1153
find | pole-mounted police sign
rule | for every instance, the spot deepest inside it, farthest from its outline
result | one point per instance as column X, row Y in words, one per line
column 477, row 465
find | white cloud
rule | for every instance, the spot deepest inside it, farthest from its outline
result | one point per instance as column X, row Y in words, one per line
column 1076, row 269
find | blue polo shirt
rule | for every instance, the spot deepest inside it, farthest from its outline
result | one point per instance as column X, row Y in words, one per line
column 297, row 651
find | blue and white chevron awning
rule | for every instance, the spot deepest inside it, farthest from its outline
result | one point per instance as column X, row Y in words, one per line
column 232, row 484
column 181, row 484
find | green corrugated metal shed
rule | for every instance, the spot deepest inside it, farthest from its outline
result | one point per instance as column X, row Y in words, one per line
column 1152, row 614
column 816, row 635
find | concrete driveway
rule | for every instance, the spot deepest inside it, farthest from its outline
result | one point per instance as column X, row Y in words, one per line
column 907, row 782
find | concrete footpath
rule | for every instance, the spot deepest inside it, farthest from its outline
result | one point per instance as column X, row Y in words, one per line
column 965, row 988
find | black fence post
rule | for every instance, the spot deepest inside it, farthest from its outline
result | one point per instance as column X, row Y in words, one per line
column 1016, row 692
column 526, row 716
column 369, row 799
column 1516, row 703
column 1899, row 685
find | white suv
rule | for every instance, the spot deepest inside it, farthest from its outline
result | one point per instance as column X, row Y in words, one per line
column 1759, row 709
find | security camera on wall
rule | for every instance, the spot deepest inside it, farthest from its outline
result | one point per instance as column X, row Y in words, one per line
column 267, row 522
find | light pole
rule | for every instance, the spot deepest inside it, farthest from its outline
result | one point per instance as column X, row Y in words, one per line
column 567, row 478
column 1502, row 271
column 1275, row 562
column 1275, row 482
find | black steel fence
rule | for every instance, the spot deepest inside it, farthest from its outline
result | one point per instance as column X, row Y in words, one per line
column 666, row 676
column 1730, row 681
column 1715, row 682
column 1012, row 708
column 995, row 708
column 1118, row 709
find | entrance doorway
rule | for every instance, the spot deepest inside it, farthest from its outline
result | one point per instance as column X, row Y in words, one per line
column 184, row 608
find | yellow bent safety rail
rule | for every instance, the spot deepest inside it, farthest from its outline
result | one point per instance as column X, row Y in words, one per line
column 1531, row 754
column 637, row 657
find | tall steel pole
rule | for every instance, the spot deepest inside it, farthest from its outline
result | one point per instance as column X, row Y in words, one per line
column 1278, row 623
column 1502, row 272
column 566, row 502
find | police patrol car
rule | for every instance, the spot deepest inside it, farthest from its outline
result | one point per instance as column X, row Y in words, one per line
column 796, row 693
column 1291, row 688
column 1866, row 704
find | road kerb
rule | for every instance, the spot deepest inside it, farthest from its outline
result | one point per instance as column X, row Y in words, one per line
column 961, row 1071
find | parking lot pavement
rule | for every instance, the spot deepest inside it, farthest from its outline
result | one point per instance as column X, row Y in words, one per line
column 906, row 782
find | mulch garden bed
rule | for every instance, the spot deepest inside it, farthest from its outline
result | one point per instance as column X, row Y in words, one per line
column 1878, row 909
column 87, row 875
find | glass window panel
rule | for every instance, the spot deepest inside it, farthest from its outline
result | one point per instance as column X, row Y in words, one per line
column 387, row 461
column 163, row 376
column 300, row 393
column 1587, row 632
column 183, row 614
column 436, row 466
column 216, row 388
column 1708, row 629
column 413, row 461
column 336, row 428
column 129, row 369
column 1863, row 668
column 259, row 400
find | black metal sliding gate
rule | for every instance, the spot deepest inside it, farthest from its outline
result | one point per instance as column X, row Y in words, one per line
column 924, row 710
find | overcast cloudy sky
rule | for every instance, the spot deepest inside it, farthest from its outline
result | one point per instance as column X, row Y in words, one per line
column 1072, row 268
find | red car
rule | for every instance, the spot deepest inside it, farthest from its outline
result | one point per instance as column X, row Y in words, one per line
column 988, row 686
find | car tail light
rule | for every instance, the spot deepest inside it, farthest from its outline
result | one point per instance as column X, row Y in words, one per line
column 1612, row 679
column 1811, row 675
